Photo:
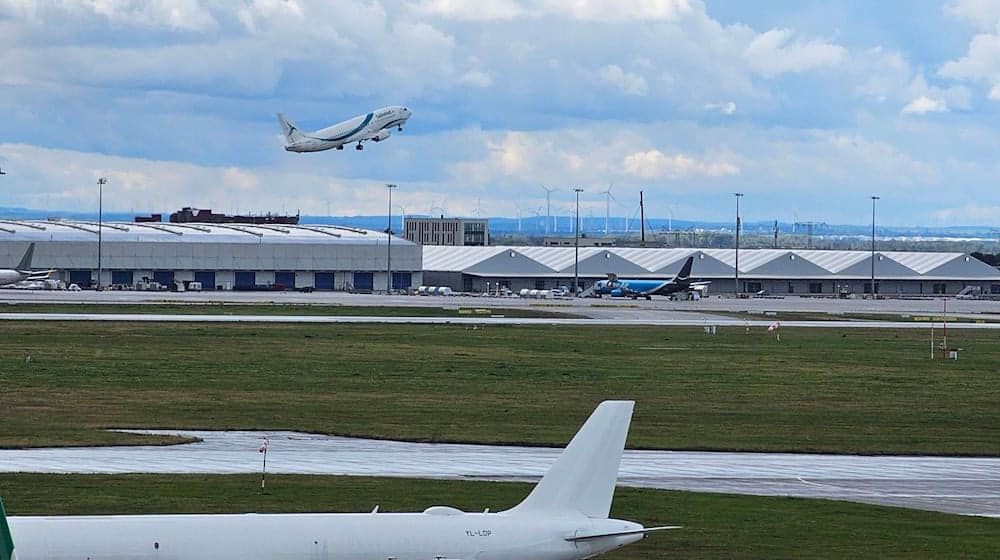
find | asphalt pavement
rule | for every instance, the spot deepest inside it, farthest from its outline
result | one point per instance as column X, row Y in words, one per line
column 963, row 485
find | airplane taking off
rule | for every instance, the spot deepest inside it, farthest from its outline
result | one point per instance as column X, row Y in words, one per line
column 23, row 271
column 370, row 126
column 565, row 517
column 634, row 288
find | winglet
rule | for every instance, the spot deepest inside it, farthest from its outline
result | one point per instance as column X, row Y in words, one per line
column 583, row 477
column 25, row 263
column 6, row 542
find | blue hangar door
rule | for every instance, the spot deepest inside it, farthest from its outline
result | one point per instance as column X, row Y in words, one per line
column 245, row 279
column 206, row 278
column 164, row 277
column 81, row 278
column 401, row 280
column 121, row 277
column 286, row 279
column 364, row 281
column 323, row 280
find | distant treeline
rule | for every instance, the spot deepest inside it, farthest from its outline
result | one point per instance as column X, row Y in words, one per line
column 992, row 260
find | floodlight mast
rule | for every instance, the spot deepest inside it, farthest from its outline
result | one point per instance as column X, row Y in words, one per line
column 873, row 290
column 100, row 227
column 388, row 246
column 576, row 246
column 738, row 196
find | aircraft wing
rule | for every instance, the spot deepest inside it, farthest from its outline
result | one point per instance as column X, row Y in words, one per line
column 38, row 274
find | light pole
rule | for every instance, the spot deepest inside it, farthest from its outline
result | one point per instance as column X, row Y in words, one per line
column 576, row 246
column 388, row 246
column 100, row 226
column 738, row 196
column 873, row 290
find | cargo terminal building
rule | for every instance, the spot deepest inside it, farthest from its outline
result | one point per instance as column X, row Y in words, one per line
column 216, row 255
column 777, row 271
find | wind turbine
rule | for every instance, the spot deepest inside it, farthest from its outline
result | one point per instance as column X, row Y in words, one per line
column 548, row 209
column 434, row 207
column 607, row 207
column 518, row 207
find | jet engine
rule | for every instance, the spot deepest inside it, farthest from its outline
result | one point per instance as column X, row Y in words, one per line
column 381, row 135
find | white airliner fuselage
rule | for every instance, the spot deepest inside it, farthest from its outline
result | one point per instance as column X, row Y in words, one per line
column 23, row 270
column 565, row 517
column 406, row 536
column 375, row 126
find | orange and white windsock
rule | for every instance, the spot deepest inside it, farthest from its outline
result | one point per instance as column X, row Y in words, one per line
column 263, row 446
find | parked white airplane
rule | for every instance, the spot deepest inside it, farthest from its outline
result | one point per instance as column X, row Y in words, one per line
column 564, row 518
column 371, row 126
column 23, row 271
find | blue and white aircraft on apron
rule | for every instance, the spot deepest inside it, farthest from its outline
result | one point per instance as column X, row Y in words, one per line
column 373, row 126
column 649, row 287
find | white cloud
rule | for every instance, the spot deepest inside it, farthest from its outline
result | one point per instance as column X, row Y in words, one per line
column 981, row 62
column 774, row 52
column 969, row 214
column 727, row 108
column 654, row 164
column 923, row 105
column 623, row 10
column 626, row 82
column 472, row 11
column 476, row 78
column 984, row 14
column 994, row 94
column 587, row 10
column 172, row 15
column 177, row 15
column 239, row 178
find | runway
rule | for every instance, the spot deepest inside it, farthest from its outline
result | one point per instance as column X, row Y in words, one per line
column 963, row 485
column 473, row 320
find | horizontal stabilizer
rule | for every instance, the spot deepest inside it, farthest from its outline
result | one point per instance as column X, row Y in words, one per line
column 588, row 536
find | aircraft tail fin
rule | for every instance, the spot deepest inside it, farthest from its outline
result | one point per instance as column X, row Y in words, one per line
column 25, row 263
column 288, row 128
column 6, row 542
column 583, row 477
column 685, row 272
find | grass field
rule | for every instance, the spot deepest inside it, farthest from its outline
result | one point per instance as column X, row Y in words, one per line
column 715, row 525
column 818, row 390
column 433, row 308
column 924, row 318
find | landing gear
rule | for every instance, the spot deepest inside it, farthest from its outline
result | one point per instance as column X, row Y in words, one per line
column 341, row 147
column 399, row 128
column 359, row 146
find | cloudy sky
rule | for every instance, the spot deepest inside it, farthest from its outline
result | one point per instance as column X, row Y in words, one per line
column 807, row 106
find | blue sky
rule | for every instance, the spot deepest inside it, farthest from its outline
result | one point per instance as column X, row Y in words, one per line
column 808, row 107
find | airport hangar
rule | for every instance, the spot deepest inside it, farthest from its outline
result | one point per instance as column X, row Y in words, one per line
column 322, row 257
column 218, row 256
column 779, row 271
